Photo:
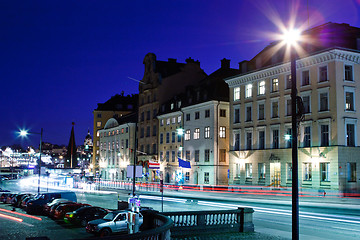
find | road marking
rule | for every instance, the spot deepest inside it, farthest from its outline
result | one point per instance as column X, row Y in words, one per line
column 21, row 214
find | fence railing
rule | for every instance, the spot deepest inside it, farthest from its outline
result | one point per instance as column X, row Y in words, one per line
column 238, row 220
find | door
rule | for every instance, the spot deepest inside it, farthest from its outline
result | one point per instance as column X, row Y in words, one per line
column 120, row 223
column 275, row 174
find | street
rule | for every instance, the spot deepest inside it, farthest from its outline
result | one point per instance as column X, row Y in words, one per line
column 319, row 218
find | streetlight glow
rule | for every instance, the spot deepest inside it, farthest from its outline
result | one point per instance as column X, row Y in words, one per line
column 23, row 133
column 291, row 37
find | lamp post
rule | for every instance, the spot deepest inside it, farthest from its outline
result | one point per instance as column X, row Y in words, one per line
column 291, row 37
column 24, row 133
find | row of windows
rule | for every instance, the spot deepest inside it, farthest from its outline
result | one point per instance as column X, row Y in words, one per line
column 113, row 132
column 196, row 134
column 174, row 136
column 349, row 95
column 305, row 80
column 324, row 171
column 148, row 115
column 142, row 131
column 111, row 145
column 172, row 120
column 306, row 137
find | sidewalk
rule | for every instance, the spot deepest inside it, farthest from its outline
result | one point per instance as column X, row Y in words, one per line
column 231, row 236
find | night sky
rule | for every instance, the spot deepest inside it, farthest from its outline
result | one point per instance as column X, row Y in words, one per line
column 58, row 59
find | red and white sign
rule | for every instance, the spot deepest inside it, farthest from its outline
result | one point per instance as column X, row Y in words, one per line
column 154, row 165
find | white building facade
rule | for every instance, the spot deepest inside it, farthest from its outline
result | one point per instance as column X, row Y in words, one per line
column 117, row 144
column 260, row 120
column 206, row 142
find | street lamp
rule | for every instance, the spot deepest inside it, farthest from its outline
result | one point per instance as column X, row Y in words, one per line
column 24, row 133
column 291, row 37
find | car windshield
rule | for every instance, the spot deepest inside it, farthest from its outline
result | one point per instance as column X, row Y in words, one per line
column 109, row 216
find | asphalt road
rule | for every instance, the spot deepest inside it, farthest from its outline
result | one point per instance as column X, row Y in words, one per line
column 318, row 220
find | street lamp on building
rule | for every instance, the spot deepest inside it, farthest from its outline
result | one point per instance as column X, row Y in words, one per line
column 24, row 133
column 291, row 38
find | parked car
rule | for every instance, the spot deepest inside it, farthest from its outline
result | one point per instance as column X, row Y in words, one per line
column 26, row 200
column 36, row 205
column 62, row 209
column 10, row 198
column 83, row 215
column 113, row 222
column 4, row 197
column 16, row 201
column 51, row 212
column 51, row 206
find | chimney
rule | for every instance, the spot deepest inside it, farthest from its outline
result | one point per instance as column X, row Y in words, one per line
column 173, row 60
column 189, row 60
column 225, row 63
column 243, row 66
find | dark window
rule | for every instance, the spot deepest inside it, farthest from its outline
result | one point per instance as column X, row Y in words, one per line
column 207, row 155
column 261, row 111
column 197, row 155
column 348, row 73
column 207, row 113
column 261, row 139
column 197, row 115
column 188, row 117
column 324, row 102
column 222, row 113
column 323, row 74
column 288, row 81
column 350, row 135
column 237, row 115
column 248, row 113
column 307, row 136
column 306, row 104
column 324, row 135
column 237, row 141
column 275, row 138
column 305, row 78
column 248, row 140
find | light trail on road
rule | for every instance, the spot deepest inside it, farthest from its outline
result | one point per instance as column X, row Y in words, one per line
column 21, row 214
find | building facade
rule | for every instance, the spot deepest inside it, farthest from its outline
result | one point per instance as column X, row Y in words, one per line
column 117, row 106
column 162, row 80
column 117, row 144
column 328, row 83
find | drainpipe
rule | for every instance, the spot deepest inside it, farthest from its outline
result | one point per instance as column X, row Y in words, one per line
column 217, row 144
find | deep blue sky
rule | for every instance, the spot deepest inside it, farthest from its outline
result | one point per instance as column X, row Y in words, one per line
column 58, row 59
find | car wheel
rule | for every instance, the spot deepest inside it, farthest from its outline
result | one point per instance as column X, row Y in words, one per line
column 83, row 223
column 105, row 232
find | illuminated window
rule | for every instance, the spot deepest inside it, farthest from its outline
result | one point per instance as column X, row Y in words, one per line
column 248, row 170
column 307, row 171
column 207, row 132
column 168, row 121
column 187, row 135
column 98, row 124
column 197, row 133
column 236, row 93
column 325, row 172
column 222, row 132
column 275, row 85
column 261, row 88
column 248, row 90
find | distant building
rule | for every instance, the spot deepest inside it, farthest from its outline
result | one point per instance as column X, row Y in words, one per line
column 117, row 147
column 117, row 106
column 85, row 152
column 260, row 114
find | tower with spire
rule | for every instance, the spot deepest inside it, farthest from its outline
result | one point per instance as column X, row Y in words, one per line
column 71, row 155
